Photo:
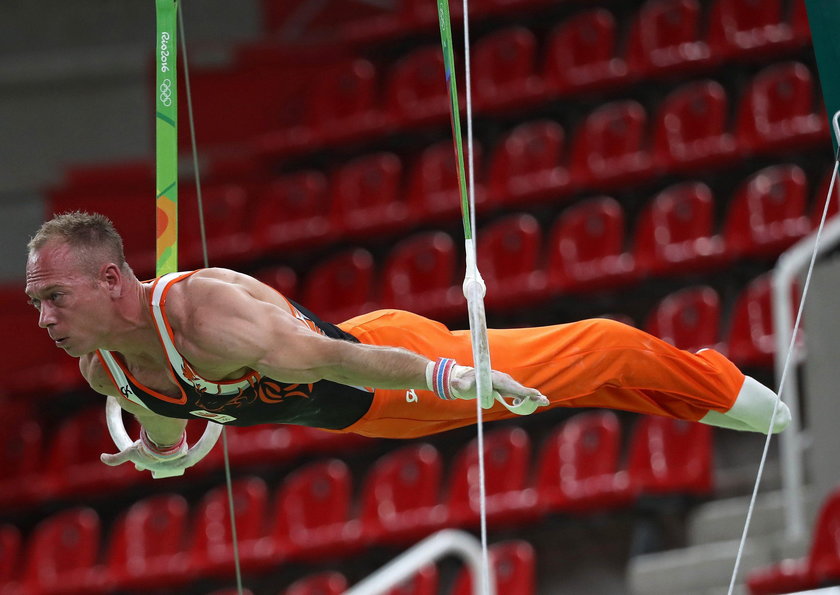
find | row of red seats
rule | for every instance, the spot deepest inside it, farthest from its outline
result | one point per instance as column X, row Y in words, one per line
column 660, row 29
column 335, row 102
column 513, row 564
column 371, row 196
column 158, row 542
column 820, row 568
column 776, row 107
column 39, row 469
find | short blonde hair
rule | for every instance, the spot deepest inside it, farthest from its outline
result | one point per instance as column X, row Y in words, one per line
column 89, row 233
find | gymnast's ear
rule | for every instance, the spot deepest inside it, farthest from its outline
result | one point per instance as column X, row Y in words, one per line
column 112, row 276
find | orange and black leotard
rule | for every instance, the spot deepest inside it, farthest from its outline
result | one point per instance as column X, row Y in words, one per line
column 250, row 400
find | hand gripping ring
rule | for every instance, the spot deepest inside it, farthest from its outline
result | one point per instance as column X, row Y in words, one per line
column 113, row 415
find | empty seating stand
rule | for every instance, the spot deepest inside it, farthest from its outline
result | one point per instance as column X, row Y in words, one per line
column 509, row 258
column 820, row 567
column 582, row 54
column 688, row 318
column 767, row 213
column 666, row 36
column 676, row 232
column 401, row 499
column 505, row 71
column 586, row 248
column 529, row 165
column 579, row 466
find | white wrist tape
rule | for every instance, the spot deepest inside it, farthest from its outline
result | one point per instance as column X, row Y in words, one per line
column 166, row 452
column 438, row 377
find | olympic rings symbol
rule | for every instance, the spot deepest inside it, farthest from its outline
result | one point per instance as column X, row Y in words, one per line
column 166, row 92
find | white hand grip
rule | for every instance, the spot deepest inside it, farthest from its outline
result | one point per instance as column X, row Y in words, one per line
column 519, row 407
column 113, row 415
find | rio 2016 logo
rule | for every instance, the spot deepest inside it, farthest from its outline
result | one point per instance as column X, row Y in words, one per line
column 164, row 52
column 166, row 92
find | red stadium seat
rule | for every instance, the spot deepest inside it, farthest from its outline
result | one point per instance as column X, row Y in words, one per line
column 669, row 456
column 10, row 555
column 312, row 513
column 345, row 103
column 62, row 555
column 425, row 582
column 675, row 232
column 751, row 340
column 324, row 583
column 368, row 197
column 211, row 551
column 510, row 261
column 509, row 497
column 610, row 147
column 420, row 276
column 32, row 364
column 227, row 222
column 434, row 193
column 777, row 111
column 820, row 567
column 401, row 496
column 666, row 37
column 528, row 165
column 514, row 568
column 691, row 130
column 292, row 212
column 105, row 178
column 280, row 278
column 821, row 195
column 417, row 92
column 262, row 443
column 148, row 545
column 21, row 457
column 743, row 28
column 688, row 319
column 768, row 212
column 73, row 465
column 586, row 248
column 340, row 287
column 582, row 54
column 132, row 212
column 799, row 22
column 504, row 72
column 579, row 466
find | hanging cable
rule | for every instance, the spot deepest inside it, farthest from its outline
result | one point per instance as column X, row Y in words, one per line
column 474, row 288
column 199, row 198
column 782, row 381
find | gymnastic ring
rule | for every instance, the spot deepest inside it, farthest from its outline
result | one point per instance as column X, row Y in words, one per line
column 113, row 415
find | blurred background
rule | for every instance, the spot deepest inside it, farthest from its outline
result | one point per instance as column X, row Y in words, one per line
column 643, row 160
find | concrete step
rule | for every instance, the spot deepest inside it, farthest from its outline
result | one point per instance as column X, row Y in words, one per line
column 723, row 520
column 695, row 569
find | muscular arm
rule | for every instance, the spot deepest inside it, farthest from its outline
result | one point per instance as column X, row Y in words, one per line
column 161, row 430
column 233, row 325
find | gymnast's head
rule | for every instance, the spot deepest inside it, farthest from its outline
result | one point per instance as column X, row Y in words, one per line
column 76, row 277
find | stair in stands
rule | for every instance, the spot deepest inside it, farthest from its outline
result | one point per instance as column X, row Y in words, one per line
column 705, row 566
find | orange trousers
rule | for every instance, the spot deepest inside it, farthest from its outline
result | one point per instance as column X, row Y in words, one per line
column 591, row 363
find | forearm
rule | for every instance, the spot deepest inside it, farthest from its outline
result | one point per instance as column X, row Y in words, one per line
column 378, row 367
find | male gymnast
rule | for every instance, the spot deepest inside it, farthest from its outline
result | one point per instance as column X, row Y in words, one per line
column 218, row 345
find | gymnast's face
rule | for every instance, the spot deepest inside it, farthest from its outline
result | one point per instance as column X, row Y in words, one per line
column 73, row 305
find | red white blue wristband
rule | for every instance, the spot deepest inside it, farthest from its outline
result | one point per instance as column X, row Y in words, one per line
column 163, row 453
column 438, row 376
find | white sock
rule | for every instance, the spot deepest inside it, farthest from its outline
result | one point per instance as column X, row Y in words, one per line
column 752, row 410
